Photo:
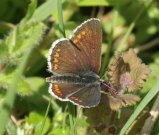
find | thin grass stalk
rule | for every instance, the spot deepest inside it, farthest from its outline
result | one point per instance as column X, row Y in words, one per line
column 122, row 45
column 46, row 114
column 110, row 41
column 11, row 93
column 150, row 95
column 71, row 107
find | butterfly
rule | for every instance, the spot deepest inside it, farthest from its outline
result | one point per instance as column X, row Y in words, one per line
column 75, row 64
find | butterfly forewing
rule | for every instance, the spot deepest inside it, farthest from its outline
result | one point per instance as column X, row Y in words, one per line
column 63, row 59
column 79, row 54
column 88, row 38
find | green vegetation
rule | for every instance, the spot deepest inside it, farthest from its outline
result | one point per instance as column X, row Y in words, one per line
column 27, row 30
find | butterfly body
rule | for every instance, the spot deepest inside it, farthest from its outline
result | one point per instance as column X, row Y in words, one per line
column 84, row 78
column 75, row 63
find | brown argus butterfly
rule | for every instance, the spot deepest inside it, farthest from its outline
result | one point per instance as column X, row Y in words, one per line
column 75, row 64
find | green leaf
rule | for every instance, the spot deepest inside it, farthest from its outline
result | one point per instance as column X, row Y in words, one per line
column 138, row 14
column 2, row 95
column 11, row 129
column 35, row 120
column 3, row 55
column 156, row 57
column 60, row 131
column 43, row 11
column 37, row 84
column 6, row 78
column 23, row 36
column 11, row 40
column 23, row 87
column 11, row 93
column 155, row 69
column 93, row 3
column 57, row 125
column 3, row 48
column 31, row 9
column 148, row 84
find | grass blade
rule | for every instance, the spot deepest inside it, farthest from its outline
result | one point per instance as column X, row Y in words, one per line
column 60, row 18
column 11, row 93
column 150, row 95
column 71, row 107
column 46, row 113
column 122, row 45
column 44, row 11
column 107, row 54
column 72, row 119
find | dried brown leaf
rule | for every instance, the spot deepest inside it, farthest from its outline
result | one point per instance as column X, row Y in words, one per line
column 122, row 100
column 126, row 73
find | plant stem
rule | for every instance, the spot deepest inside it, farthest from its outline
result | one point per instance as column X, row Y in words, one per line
column 150, row 95
column 122, row 45
column 46, row 113
column 11, row 93
column 107, row 54
column 71, row 107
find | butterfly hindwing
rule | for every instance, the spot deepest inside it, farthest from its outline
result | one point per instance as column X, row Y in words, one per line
column 85, row 96
column 63, row 90
column 88, row 96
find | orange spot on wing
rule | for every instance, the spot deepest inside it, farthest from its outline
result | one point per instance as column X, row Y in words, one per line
column 75, row 41
column 58, row 50
column 55, row 66
column 56, row 55
column 56, row 86
column 56, row 60
column 79, row 36
column 83, row 32
column 57, row 90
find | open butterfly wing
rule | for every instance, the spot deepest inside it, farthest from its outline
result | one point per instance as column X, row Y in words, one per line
column 88, row 96
column 85, row 96
column 63, row 90
column 63, row 59
column 79, row 54
column 88, row 39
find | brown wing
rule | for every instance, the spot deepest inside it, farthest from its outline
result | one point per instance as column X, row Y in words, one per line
column 79, row 54
column 63, row 90
column 87, row 97
column 63, row 58
column 88, row 38
column 78, row 94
